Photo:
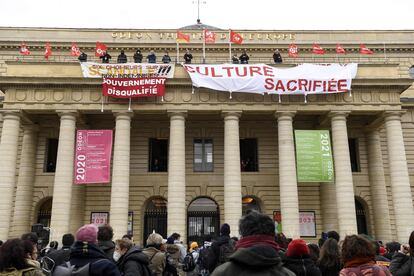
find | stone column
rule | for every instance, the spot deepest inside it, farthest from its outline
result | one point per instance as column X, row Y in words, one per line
column 62, row 187
column 176, row 221
column 379, row 201
column 24, row 192
column 289, row 200
column 232, row 172
column 8, row 154
column 400, row 182
column 120, row 175
column 345, row 198
column 328, row 207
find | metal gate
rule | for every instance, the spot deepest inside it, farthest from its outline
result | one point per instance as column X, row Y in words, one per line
column 361, row 218
column 200, row 224
column 155, row 220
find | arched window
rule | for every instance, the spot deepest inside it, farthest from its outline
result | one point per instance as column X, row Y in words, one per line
column 155, row 217
column 45, row 213
column 203, row 220
column 361, row 217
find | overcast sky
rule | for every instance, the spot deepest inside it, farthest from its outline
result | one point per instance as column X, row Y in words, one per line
column 238, row 15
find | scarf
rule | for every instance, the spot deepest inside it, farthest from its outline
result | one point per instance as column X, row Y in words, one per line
column 250, row 241
column 359, row 261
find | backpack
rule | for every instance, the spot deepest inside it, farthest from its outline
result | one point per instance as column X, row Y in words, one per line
column 206, row 259
column 68, row 269
column 15, row 272
column 189, row 263
column 170, row 269
column 225, row 251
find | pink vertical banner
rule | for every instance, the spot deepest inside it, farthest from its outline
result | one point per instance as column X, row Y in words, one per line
column 93, row 156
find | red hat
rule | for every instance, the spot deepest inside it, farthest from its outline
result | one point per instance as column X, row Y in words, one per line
column 297, row 248
column 382, row 250
column 87, row 233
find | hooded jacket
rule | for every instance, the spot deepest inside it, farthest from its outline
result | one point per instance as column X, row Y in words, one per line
column 108, row 247
column 302, row 266
column 260, row 260
column 134, row 263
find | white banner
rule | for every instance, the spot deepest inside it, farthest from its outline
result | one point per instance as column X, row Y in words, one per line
column 262, row 78
column 127, row 70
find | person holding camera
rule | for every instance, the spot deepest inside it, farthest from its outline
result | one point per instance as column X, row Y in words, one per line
column 402, row 262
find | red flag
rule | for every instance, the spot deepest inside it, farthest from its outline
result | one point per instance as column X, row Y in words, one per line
column 48, row 50
column 182, row 38
column 74, row 50
column 236, row 38
column 364, row 50
column 100, row 49
column 317, row 49
column 340, row 49
column 209, row 36
column 293, row 51
column 24, row 50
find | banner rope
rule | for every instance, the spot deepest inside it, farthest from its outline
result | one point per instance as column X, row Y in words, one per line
column 102, row 101
column 129, row 106
column 280, row 100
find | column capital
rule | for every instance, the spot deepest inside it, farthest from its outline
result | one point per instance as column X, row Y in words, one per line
column 393, row 115
column 338, row 114
column 123, row 115
column 176, row 112
column 67, row 114
column 10, row 114
column 231, row 113
column 281, row 115
column 31, row 127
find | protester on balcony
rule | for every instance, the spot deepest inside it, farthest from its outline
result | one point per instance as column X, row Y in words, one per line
column 235, row 59
column 122, row 58
column 83, row 57
column 105, row 58
column 244, row 57
column 138, row 56
column 277, row 57
column 188, row 57
column 152, row 58
column 166, row 58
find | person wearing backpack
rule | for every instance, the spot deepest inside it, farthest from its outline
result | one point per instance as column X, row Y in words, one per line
column 256, row 251
column 222, row 247
column 86, row 258
column 130, row 259
column 190, row 261
column 14, row 261
column 154, row 252
column 206, row 258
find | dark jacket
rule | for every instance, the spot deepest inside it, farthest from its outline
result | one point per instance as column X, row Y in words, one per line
column 330, row 270
column 402, row 264
column 277, row 58
column 108, row 247
column 122, row 58
column 260, row 260
column 216, row 248
column 302, row 266
column 152, row 58
column 83, row 253
column 134, row 263
column 60, row 256
column 166, row 59
column 244, row 58
column 105, row 58
column 188, row 58
column 138, row 57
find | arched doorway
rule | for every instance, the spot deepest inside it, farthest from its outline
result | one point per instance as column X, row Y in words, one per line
column 203, row 220
column 361, row 217
column 44, row 214
column 250, row 203
column 155, row 217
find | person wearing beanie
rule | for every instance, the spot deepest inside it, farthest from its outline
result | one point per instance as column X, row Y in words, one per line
column 256, row 251
column 62, row 255
column 222, row 247
column 85, row 251
column 298, row 259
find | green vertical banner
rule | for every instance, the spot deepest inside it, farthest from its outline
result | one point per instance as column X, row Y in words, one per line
column 314, row 156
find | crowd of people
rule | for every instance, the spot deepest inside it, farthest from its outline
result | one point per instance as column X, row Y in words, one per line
column 259, row 251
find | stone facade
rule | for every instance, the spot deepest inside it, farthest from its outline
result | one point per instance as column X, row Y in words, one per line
column 50, row 99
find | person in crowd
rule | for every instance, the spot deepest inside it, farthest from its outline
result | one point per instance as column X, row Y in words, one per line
column 53, row 246
column 333, row 235
column 166, row 58
column 105, row 243
column 176, row 251
column 154, row 252
column 85, row 251
column 205, row 257
column 222, row 247
column 402, row 262
column 122, row 58
column 195, row 253
column 30, row 237
column 314, row 252
column 62, row 255
column 129, row 237
column 298, row 260
column 256, row 251
column 152, row 58
column 235, row 59
column 277, row 57
column 358, row 258
column 391, row 248
column 329, row 261
column 83, row 57
column 32, row 254
column 322, row 239
column 131, row 261
column 138, row 56
column 187, row 57
column 106, row 57
column 281, row 240
column 244, row 58
column 15, row 261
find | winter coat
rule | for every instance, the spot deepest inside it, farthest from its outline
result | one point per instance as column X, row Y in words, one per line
column 134, row 263
column 108, row 247
column 156, row 260
column 301, row 266
column 175, row 254
column 402, row 264
column 83, row 253
column 25, row 272
column 244, row 58
column 277, row 58
column 188, row 58
column 216, row 247
column 138, row 57
column 260, row 260
column 152, row 58
column 60, row 256
column 331, row 270
column 367, row 269
column 166, row 59
column 122, row 58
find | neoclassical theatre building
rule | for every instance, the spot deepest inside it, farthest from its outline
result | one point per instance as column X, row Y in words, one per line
column 192, row 160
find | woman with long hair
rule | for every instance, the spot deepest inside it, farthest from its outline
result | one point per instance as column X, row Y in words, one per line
column 402, row 262
column 329, row 261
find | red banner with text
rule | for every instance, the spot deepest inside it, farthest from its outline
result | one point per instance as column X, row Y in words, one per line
column 133, row 87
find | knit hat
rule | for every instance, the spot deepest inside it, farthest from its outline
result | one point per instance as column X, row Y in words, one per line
column 193, row 246
column 225, row 229
column 155, row 238
column 87, row 233
column 297, row 248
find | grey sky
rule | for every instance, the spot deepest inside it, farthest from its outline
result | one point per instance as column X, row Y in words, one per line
column 238, row 15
